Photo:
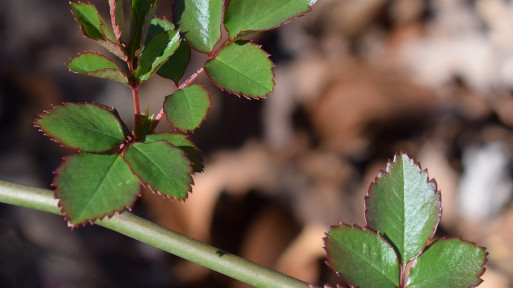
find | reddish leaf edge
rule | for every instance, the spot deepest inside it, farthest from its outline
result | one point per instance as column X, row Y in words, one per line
column 116, row 28
column 198, row 126
column 432, row 180
column 186, row 154
column 101, row 55
column 235, row 38
column 341, row 224
column 90, row 221
column 62, row 145
column 155, row 191
column 182, row 37
column 121, row 48
column 240, row 94
column 482, row 265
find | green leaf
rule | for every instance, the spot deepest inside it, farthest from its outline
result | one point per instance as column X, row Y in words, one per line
column 175, row 65
column 158, row 50
column 163, row 167
column 404, row 206
column 362, row 257
column 448, row 263
column 242, row 68
column 200, row 22
column 141, row 13
column 249, row 15
column 181, row 141
column 92, row 186
column 97, row 65
column 117, row 16
column 146, row 125
column 187, row 108
column 86, row 127
column 158, row 25
column 94, row 27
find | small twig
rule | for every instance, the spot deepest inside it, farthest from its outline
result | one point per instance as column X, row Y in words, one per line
column 159, row 237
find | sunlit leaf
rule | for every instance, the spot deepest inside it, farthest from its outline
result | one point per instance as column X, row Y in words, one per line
column 404, row 206
column 181, row 141
column 242, row 68
column 161, row 166
column 156, row 52
column 97, row 65
column 92, row 186
column 249, row 15
column 362, row 257
column 200, row 22
column 87, row 127
column 448, row 263
column 186, row 108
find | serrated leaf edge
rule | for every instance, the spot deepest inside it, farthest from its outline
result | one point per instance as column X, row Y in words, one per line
column 432, row 180
column 187, row 154
column 157, row 192
column 52, row 137
column 204, row 118
column 482, row 265
column 235, row 37
column 328, row 256
column 105, row 69
column 123, row 57
column 240, row 94
column 91, row 221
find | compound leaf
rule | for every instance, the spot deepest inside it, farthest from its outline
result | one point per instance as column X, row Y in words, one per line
column 181, row 141
column 158, row 50
column 404, row 206
column 186, row 108
column 362, row 257
column 163, row 167
column 87, row 127
column 200, row 22
column 91, row 186
column 242, row 68
column 249, row 15
column 97, row 65
column 94, row 27
column 448, row 263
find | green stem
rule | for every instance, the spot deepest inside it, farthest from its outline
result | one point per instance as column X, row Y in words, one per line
column 160, row 237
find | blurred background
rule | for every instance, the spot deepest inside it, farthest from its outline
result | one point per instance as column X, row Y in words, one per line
column 357, row 81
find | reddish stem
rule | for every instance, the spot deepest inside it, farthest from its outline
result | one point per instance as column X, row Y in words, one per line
column 137, row 105
column 193, row 77
column 402, row 280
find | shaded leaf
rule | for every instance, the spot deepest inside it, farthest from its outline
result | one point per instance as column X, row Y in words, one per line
column 117, row 16
column 448, row 263
column 163, row 167
column 186, row 108
column 200, row 22
column 249, row 15
column 94, row 27
column 242, row 68
column 175, row 65
column 404, row 206
column 181, row 141
column 362, row 257
column 141, row 13
column 87, row 127
column 158, row 25
column 158, row 50
column 97, row 65
column 91, row 186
